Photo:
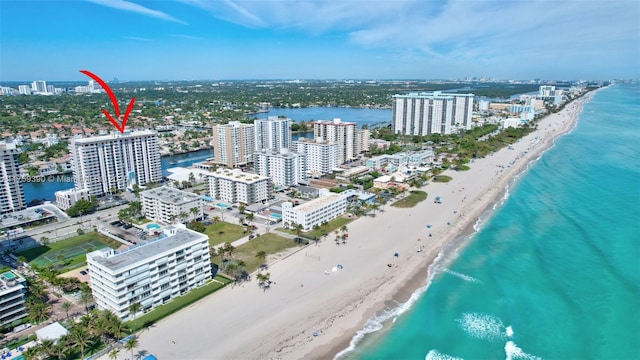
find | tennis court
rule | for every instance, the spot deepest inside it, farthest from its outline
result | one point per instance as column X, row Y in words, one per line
column 68, row 252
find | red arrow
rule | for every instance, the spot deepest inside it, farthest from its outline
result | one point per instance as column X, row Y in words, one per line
column 114, row 101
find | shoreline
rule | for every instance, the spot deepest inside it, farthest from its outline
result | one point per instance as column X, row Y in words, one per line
column 280, row 323
column 418, row 281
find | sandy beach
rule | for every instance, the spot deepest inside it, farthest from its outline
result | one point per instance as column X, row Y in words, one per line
column 245, row 322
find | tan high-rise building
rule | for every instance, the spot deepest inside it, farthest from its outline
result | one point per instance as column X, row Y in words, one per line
column 233, row 144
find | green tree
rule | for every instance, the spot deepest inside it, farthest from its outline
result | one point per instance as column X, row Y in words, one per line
column 134, row 308
column 66, row 306
column 131, row 344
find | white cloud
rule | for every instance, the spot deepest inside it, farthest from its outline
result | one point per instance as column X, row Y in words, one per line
column 136, row 8
column 137, row 38
column 186, row 37
column 483, row 31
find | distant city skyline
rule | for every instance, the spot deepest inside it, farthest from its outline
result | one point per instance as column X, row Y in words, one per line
column 350, row 39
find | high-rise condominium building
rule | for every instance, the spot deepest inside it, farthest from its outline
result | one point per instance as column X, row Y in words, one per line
column 284, row 168
column 273, row 133
column 341, row 133
column 322, row 155
column 233, row 144
column 428, row 113
column 11, row 194
column 13, row 294
column 105, row 164
column 150, row 274
column 39, row 86
column 235, row 186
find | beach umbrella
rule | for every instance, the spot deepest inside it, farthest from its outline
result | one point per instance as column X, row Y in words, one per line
column 340, row 266
column 396, row 255
column 429, row 226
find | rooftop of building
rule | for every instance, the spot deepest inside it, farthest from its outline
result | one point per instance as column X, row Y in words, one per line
column 170, row 195
column 432, row 94
column 283, row 153
column 335, row 121
column 237, row 175
column 318, row 203
column 139, row 253
column 10, row 280
column 115, row 135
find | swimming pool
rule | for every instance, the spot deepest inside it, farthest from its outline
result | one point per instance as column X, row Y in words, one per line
column 222, row 205
column 8, row 275
column 153, row 226
column 276, row 216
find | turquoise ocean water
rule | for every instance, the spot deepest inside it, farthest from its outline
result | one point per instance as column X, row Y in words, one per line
column 554, row 273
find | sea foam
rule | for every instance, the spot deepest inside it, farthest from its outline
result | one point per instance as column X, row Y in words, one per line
column 436, row 355
column 483, row 326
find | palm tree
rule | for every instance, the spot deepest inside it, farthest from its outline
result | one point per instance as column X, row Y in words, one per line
column 172, row 218
column 183, row 216
column 229, row 249
column 66, row 306
column 131, row 344
column 216, row 219
column 344, row 228
column 80, row 338
column 194, row 211
column 134, row 308
column 85, row 299
column 113, row 354
column 250, row 217
column 262, row 255
column 298, row 228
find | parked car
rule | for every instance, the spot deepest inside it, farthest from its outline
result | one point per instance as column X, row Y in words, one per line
column 251, row 237
column 83, row 272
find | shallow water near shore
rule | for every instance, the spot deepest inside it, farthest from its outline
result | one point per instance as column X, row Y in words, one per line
column 554, row 273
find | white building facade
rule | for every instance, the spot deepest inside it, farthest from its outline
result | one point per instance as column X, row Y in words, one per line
column 67, row 198
column 166, row 205
column 13, row 294
column 104, row 164
column 150, row 274
column 341, row 133
column 233, row 144
column 235, row 186
column 431, row 112
column 11, row 192
column 314, row 212
column 322, row 155
column 273, row 133
column 284, row 168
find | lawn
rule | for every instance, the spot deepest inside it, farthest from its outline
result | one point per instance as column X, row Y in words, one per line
column 176, row 304
column 442, row 178
column 411, row 200
column 333, row 225
column 222, row 232
column 269, row 243
column 69, row 253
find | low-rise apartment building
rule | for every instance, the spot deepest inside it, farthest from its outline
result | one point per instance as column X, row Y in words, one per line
column 150, row 274
column 314, row 212
column 67, row 198
column 166, row 204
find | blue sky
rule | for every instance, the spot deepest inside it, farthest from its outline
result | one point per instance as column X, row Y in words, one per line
column 321, row 39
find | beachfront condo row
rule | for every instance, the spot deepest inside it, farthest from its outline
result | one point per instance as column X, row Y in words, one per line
column 150, row 274
column 427, row 113
column 325, row 208
column 13, row 294
column 166, row 205
column 285, row 168
column 115, row 162
column 11, row 193
column 234, row 186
